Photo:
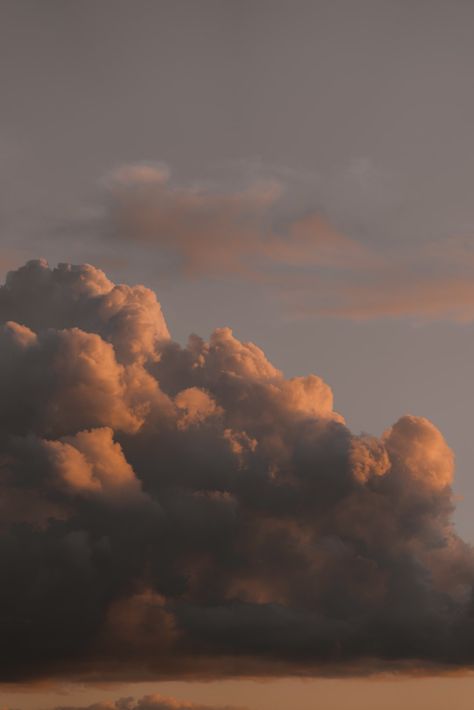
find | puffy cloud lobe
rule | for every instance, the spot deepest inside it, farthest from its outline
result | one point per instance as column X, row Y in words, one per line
column 368, row 457
column 172, row 511
column 91, row 461
column 195, row 406
column 83, row 297
column 419, row 450
column 62, row 381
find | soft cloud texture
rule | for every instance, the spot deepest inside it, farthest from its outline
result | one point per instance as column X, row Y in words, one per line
column 171, row 511
column 207, row 232
column 147, row 702
column 313, row 259
column 210, row 232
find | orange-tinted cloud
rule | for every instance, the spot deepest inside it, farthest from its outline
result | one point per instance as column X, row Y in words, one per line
column 213, row 233
column 210, row 232
column 148, row 702
column 175, row 511
column 316, row 269
column 387, row 293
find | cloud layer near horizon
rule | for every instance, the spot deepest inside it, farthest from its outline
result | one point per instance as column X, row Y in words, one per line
column 172, row 511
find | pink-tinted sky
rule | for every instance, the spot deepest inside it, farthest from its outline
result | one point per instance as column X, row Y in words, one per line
column 301, row 172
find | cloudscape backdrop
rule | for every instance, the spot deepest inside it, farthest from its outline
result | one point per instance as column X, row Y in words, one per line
column 236, row 363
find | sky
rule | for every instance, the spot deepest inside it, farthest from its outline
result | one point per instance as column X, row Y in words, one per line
column 299, row 172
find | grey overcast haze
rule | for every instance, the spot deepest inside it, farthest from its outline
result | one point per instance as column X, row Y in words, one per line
column 290, row 183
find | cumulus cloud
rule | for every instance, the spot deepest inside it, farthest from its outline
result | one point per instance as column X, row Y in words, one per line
column 185, row 511
column 91, row 461
column 82, row 297
column 208, row 231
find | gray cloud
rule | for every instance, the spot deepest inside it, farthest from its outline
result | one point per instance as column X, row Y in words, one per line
column 174, row 511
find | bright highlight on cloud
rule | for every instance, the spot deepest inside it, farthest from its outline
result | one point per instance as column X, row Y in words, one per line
column 172, row 511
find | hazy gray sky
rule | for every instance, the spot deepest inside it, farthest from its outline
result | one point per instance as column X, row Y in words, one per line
column 361, row 112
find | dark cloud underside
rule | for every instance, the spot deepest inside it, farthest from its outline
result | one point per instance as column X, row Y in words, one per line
column 173, row 511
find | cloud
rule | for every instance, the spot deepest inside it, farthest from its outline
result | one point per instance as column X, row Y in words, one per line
column 206, row 232
column 147, row 702
column 210, row 232
column 187, row 512
column 318, row 260
column 395, row 292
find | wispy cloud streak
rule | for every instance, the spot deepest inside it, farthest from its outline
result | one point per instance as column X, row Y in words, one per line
column 175, row 511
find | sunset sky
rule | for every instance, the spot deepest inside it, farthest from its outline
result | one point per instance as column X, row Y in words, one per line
column 236, row 434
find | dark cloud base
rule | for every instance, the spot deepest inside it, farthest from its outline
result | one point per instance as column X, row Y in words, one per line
column 173, row 511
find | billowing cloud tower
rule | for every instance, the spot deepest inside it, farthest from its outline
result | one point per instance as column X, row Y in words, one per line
column 169, row 511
